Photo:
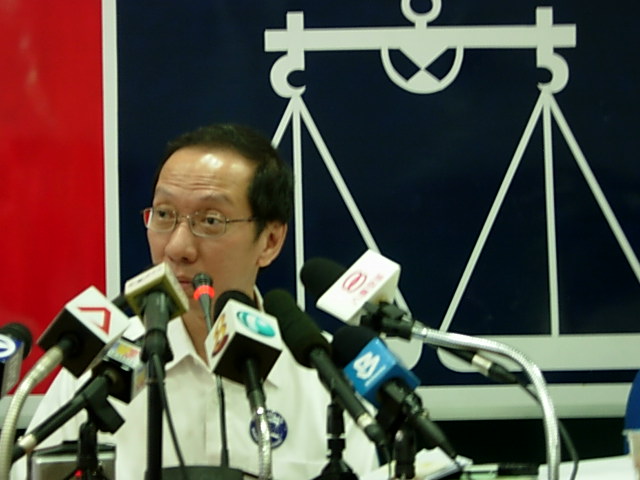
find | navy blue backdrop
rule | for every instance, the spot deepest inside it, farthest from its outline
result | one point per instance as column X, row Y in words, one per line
column 424, row 169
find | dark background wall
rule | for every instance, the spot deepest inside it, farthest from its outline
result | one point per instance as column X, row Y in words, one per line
column 423, row 170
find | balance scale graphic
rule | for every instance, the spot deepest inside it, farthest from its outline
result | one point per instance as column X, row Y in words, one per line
column 423, row 44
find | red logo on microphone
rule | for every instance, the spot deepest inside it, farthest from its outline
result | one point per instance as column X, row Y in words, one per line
column 105, row 322
column 354, row 282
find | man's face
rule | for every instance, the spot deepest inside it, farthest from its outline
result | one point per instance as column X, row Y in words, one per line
column 196, row 179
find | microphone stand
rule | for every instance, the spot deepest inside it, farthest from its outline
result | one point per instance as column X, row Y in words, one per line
column 256, row 397
column 455, row 340
column 405, row 453
column 336, row 468
column 88, row 467
column 103, row 417
column 156, row 317
column 92, row 397
column 394, row 322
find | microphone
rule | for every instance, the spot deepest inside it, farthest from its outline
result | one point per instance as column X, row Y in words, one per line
column 156, row 296
column 311, row 349
column 243, row 346
column 121, row 374
column 77, row 339
column 84, row 330
column 241, row 333
column 361, row 294
column 381, row 378
column 125, row 370
column 326, row 280
column 372, row 279
column 204, row 293
column 15, row 345
column 157, row 279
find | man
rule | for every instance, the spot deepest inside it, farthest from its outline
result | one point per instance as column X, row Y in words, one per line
column 221, row 202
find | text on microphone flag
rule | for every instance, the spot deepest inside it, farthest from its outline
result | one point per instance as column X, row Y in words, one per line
column 372, row 278
column 219, row 334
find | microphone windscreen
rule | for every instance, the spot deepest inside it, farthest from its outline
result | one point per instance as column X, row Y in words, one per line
column 201, row 279
column 21, row 333
column 348, row 342
column 224, row 297
column 298, row 331
column 318, row 274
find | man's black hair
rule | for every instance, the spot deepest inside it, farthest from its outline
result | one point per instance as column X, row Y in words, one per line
column 271, row 189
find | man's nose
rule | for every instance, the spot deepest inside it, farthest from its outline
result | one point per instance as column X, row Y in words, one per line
column 181, row 245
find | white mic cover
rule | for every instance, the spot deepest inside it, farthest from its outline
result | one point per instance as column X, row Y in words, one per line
column 372, row 278
column 242, row 332
column 96, row 324
column 157, row 278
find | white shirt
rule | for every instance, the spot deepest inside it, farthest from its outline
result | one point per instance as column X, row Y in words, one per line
column 291, row 390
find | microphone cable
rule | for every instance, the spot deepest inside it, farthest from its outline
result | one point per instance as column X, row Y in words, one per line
column 224, row 447
column 157, row 364
column 204, row 293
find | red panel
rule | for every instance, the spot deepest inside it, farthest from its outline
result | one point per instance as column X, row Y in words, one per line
column 51, row 200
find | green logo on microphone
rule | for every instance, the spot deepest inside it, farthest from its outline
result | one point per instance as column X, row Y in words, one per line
column 256, row 324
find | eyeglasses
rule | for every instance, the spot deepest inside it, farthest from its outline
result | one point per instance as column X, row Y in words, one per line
column 207, row 223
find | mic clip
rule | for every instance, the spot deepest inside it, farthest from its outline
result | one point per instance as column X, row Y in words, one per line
column 387, row 318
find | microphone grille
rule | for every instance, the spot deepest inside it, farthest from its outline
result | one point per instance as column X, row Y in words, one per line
column 21, row 333
column 201, row 279
column 299, row 332
column 224, row 297
column 348, row 342
column 318, row 274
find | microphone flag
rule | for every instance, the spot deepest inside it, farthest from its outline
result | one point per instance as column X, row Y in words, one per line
column 372, row 278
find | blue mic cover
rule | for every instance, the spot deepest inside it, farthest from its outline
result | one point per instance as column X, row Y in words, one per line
column 374, row 366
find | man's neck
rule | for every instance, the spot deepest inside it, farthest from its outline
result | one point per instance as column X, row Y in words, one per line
column 197, row 328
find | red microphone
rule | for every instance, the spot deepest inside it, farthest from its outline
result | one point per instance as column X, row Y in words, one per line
column 204, row 293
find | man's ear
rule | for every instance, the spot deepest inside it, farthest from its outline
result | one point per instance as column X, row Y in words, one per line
column 271, row 239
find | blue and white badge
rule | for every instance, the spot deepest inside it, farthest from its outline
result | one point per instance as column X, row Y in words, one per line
column 277, row 427
column 8, row 346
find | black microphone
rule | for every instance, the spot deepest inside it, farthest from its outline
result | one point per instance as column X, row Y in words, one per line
column 84, row 330
column 156, row 296
column 125, row 370
column 320, row 274
column 203, row 292
column 121, row 374
column 243, row 346
column 311, row 349
column 15, row 345
column 242, row 336
column 381, row 377
column 77, row 339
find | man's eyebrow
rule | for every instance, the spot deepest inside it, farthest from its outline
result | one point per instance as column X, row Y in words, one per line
column 207, row 197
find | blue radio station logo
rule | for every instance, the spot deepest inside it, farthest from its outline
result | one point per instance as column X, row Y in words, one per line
column 256, row 324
